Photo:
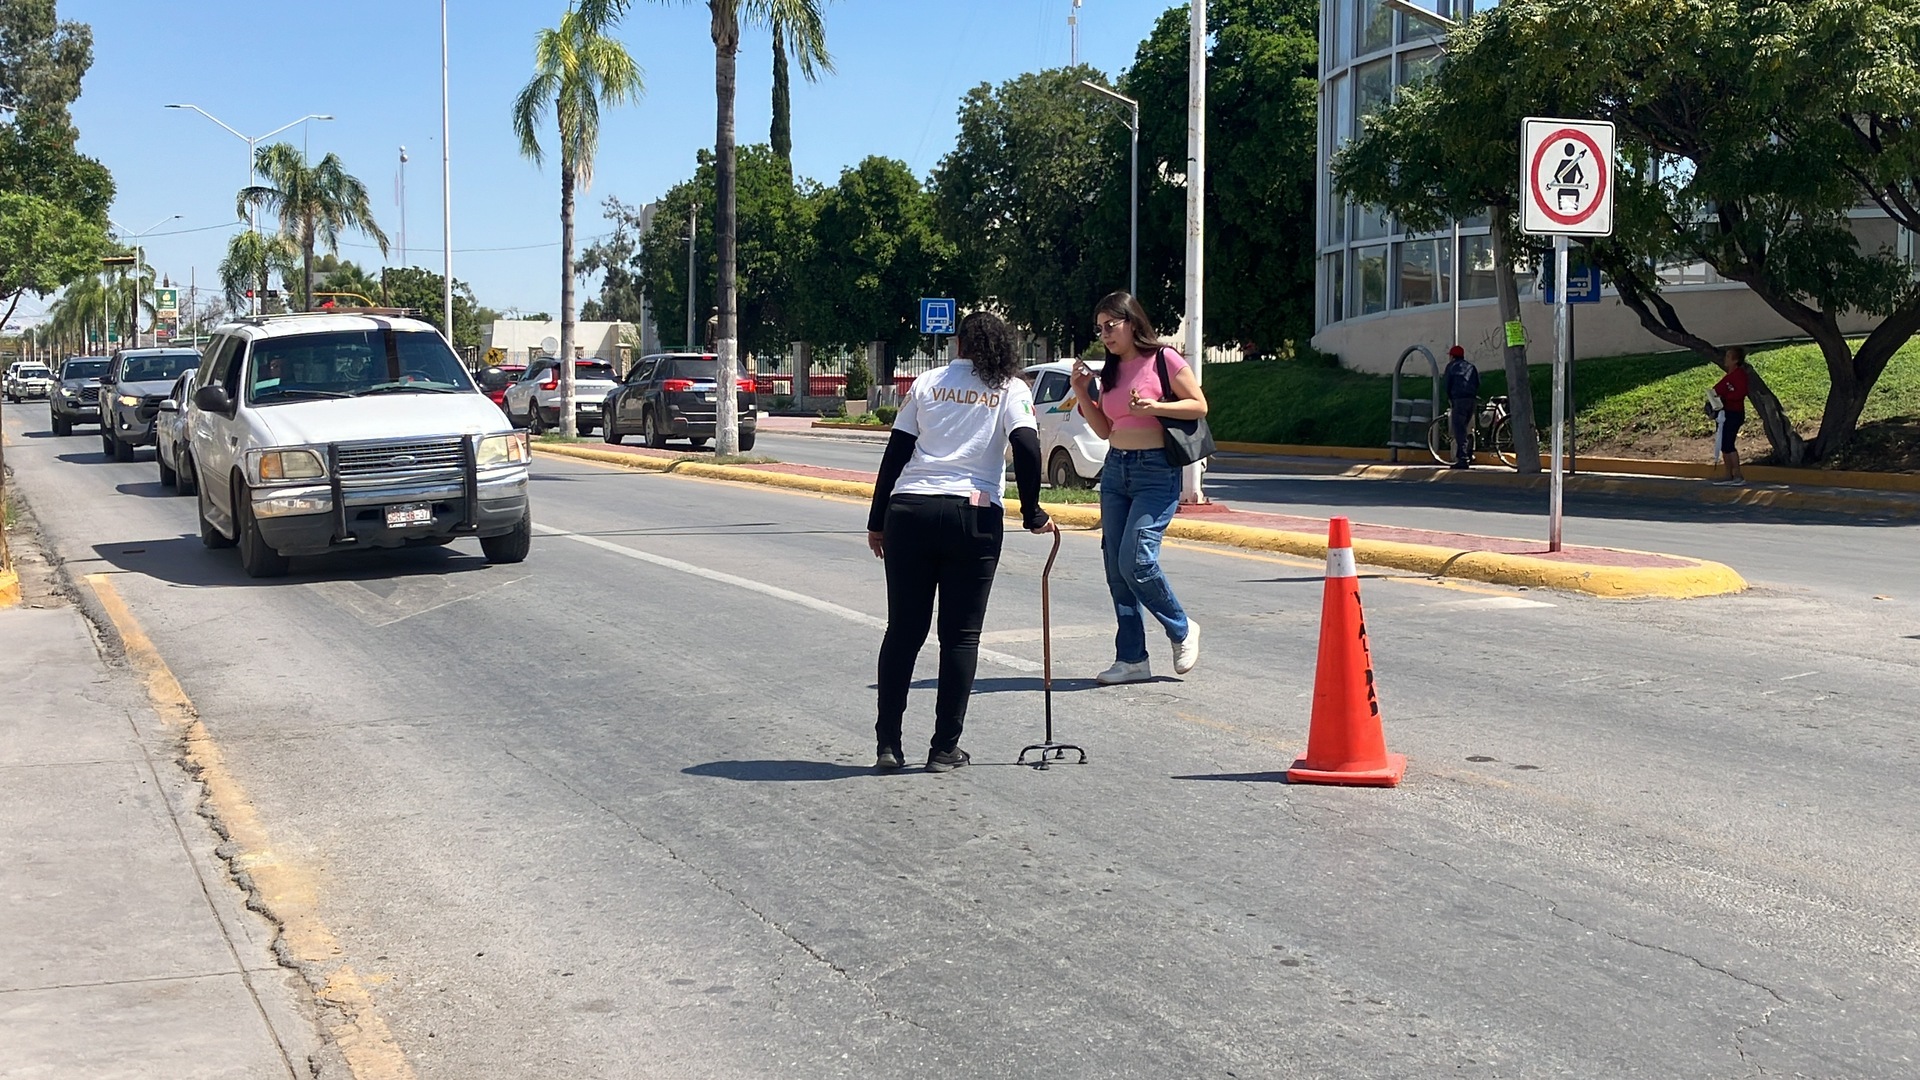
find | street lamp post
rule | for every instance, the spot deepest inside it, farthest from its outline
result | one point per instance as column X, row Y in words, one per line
column 446, row 186
column 1192, row 490
column 693, row 231
column 138, row 256
column 1133, row 191
column 253, row 222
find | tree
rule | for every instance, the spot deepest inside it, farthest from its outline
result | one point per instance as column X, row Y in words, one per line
column 1015, row 195
column 252, row 258
column 615, row 258
column 577, row 68
column 424, row 290
column 345, row 276
column 780, row 132
column 1262, row 73
column 875, row 252
column 1447, row 148
column 774, row 233
column 802, row 23
column 314, row 203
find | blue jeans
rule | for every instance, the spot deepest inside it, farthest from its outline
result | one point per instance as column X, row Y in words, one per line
column 1139, row 493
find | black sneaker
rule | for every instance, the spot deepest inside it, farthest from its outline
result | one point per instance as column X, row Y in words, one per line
column 888, row 758
column 947, row 760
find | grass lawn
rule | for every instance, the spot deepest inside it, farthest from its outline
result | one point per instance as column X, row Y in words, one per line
column 1628, row 406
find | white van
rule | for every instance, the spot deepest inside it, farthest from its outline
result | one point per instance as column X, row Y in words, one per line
column 333, row 432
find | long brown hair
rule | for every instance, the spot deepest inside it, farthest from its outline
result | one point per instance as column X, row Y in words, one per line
column 1122, row 305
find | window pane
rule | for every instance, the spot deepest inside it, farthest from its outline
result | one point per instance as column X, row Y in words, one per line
column 1420, row 273
column 1370, row 223
column 1417, row 29
column 1418, row 66
column 1375, row 26
column 1335, row 268
column 1375, row 82
column 1370, row 268
column 1476, row 268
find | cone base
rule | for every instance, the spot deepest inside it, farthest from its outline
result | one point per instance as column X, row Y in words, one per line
column 1389, row 776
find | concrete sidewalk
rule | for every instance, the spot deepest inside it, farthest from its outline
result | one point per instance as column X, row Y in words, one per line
column 1605, row 572
column 129, row 951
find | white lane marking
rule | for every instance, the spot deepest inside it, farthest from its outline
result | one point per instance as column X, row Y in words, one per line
column 1032, row 633
column 1802, row 675
column 1500, row 602
column 812, row 603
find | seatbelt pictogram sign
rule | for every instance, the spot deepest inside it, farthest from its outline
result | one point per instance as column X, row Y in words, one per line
column 1566, row 177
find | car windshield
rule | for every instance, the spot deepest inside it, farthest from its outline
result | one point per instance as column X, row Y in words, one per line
column 697, row 368
column 35, row 373
column 83, row 369
column 349, row 363
column 155, row 367
column 595, row 369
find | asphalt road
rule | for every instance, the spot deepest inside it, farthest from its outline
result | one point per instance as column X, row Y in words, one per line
column 1845, row 558
column 609, row 813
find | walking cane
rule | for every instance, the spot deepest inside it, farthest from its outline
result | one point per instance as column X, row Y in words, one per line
column 1059, row 749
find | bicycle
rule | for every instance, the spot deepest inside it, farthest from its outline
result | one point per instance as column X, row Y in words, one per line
column 1491, row 427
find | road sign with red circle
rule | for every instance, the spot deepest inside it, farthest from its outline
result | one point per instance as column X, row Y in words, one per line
column 1566, row 177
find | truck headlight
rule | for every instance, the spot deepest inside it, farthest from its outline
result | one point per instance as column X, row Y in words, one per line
column 505, row 449
column 128, row 400
column 274, row 466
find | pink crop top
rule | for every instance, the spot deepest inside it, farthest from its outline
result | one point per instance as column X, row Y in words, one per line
column 1138, row 373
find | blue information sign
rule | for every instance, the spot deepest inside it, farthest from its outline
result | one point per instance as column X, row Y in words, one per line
column 937, row 316
column 1583, row 286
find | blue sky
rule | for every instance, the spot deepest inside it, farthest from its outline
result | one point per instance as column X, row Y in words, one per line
column 903, row 66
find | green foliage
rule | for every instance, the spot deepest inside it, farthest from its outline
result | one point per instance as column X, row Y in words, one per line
column 859, row 379
column 42, row 60
column 425, row 291
column 885, row 413
column 251, row 259
column 775, row 224
column 315, row 203
column 1262, row 87
column 1015, row 193
column 875, row 252
column 615, row 259
column 578, row 67
column 44, row 245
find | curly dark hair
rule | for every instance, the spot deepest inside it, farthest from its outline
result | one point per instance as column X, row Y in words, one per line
column 986, row 340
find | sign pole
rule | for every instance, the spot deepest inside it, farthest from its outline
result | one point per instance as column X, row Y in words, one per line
column 1562, row 339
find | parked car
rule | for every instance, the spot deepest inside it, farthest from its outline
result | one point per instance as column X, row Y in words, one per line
column 673, row 396
column 495, row 380
column 29, row 379
column 130, row 395
column 170, row 433
column 334, row 432
column 76, row 393
column 1072, row 454
column 534, row 401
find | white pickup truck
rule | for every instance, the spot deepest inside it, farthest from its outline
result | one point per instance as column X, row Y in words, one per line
column 333, row 432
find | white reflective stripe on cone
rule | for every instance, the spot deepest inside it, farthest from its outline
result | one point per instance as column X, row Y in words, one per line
column 1340, row 563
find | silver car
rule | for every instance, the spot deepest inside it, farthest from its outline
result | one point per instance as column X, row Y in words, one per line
column 170, row 434
column 534, row 402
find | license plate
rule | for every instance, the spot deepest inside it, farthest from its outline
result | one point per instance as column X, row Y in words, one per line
column 406, row 514
column 587, row 407
column 706, row 397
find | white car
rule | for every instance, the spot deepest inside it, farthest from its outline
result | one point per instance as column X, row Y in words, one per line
column 29, row 379
column 534, row 401
column 334, row 432
column 1070, row 452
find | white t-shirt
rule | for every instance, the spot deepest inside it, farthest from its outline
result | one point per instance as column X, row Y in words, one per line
column 961, row 429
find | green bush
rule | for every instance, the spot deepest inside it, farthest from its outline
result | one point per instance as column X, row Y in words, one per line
column 1095, row 354
column 782, row 401
column 885, row 413
column 858, row 379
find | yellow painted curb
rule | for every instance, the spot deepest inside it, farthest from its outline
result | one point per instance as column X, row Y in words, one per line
column 9, row 579
column 1694, row 579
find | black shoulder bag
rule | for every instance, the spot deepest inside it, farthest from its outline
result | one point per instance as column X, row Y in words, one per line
column 1188, row 441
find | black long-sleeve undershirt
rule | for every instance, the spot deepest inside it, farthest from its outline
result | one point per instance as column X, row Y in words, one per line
column 1026, row 477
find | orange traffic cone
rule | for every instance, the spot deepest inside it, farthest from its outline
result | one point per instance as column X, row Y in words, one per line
column 1345, row 743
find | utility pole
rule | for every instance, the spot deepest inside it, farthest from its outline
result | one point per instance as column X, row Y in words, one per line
column 1073, row 31
column 403, row 206
column 446, row 185
column 1190, row 482
column 693, row 230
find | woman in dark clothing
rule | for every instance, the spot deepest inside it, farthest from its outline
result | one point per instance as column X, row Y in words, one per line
column 937, row 518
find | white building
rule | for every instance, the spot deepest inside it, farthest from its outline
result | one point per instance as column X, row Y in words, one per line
column 527, row 339
column 1381, row 289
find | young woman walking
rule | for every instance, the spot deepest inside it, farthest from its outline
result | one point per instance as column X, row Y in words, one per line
column 937, row 520
column 1141, row 382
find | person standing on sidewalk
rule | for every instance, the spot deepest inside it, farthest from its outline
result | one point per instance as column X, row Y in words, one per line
column 1142, row 381
column 1727, row 401
column 937, row 519
column 1463, row 397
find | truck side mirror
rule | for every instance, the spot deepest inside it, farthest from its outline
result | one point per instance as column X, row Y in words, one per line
column 212, row 399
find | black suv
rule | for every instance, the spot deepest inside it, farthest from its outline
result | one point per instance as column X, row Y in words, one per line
column 76, row 393
column 131, row 392
column 673, row 396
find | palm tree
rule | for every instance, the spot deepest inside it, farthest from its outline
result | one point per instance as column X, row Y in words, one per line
column 351, row 277
column 801, row 25
column 315, row 203
column 577, row 68
column 251, row 257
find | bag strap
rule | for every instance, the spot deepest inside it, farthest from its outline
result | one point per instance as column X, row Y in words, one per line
column 1160, row 365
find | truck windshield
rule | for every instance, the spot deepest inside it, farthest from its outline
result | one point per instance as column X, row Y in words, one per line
column 348, row 363
column 157, row 367
column 83, row 369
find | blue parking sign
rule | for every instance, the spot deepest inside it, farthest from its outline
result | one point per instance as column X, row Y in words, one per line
column 937, row 316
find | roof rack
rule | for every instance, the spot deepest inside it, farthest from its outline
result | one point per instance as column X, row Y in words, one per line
column 393, row 312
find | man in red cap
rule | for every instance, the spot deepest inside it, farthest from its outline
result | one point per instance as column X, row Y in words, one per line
column 1463, row 397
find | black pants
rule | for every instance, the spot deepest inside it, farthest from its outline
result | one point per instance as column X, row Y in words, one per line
column 1460, row 410
column 936, row 544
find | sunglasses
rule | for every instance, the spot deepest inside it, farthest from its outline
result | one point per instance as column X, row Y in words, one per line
column 1110, row 325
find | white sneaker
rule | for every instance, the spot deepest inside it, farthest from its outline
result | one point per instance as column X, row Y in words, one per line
column 1123, row 672
column 1187, row 653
